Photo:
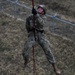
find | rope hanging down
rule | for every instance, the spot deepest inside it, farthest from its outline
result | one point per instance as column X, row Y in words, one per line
column 34, row 63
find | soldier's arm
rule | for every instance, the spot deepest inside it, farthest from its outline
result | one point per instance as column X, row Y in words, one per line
column 42, row 21
column 27, row 24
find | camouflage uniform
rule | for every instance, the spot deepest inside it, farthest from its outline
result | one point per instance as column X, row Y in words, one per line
column 40, row 23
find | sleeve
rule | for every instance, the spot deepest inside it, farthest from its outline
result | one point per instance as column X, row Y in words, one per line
column 27, row 25
column 42, row 21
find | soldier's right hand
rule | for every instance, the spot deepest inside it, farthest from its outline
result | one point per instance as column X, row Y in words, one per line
column 34, row 11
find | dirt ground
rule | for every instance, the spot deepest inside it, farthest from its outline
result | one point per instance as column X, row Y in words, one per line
column 13, row 35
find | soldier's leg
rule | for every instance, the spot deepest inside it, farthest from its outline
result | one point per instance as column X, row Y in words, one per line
column 27, row 49
column 46, row 47
column 44, row 43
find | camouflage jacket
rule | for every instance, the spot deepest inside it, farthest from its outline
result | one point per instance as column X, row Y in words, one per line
column 40, row 23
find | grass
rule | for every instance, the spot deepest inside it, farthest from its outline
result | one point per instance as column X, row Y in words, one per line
column 3, row 47
column 13, row 35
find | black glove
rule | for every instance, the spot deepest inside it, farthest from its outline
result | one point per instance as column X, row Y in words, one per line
column 34, row 12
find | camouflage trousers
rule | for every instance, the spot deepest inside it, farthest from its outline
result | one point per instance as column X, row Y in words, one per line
column 43, row 42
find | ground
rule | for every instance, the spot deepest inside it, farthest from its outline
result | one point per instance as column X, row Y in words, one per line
column 12, row 38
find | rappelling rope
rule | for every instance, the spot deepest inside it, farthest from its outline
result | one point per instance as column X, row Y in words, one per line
column 34, row 63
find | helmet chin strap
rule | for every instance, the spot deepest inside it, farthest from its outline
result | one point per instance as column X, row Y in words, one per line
column 40, row 10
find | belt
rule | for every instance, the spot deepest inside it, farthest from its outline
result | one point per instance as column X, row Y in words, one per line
column 38, row 30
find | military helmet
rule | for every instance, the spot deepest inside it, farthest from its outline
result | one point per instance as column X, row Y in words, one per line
column 43, row 7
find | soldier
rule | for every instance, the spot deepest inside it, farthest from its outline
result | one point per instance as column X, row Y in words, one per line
column 40, row 24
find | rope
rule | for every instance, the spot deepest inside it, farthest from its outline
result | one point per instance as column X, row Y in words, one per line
column 34, row 63
column 32, row 3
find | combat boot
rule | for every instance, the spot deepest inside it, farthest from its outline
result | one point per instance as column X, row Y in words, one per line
column 56, row 70
column 26, row 62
